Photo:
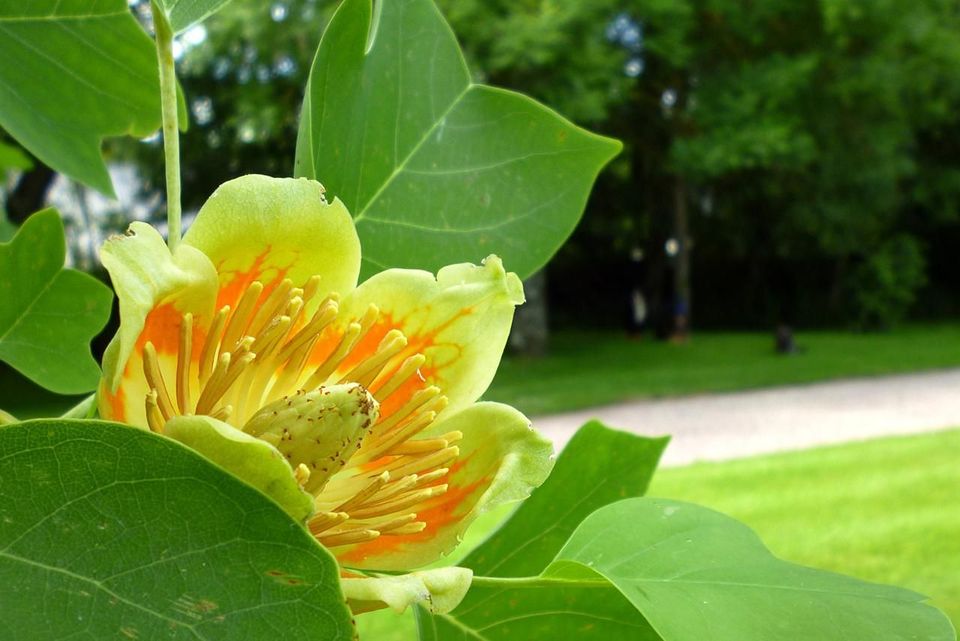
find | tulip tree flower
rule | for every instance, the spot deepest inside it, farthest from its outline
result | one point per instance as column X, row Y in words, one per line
column 354, row 407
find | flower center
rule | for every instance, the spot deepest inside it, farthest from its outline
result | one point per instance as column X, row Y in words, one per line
column 267, row 367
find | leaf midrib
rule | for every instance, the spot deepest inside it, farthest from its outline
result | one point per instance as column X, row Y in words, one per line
column 403, row 164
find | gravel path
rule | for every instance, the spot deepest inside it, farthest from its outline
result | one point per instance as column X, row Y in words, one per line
column 724, row 426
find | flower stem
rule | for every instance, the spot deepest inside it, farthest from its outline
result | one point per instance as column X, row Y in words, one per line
column 171, row 133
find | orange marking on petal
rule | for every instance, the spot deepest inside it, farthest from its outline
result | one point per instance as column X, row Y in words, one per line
column 162, row 328
column 116, row 403
column 234, row 282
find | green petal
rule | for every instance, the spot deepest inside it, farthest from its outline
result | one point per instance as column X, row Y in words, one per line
column 144, row 274
column 502, row 459
column 254, row 461
column 268, row 229
column 440, row 590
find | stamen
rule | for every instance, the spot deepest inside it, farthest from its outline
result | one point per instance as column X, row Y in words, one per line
column 386, row 525
column 388, row 441
column 351, row 337
column 154, row 419
column 310, row 288
column 273, row 306
column 382, row 390
column 241, row 315
column 403, row 502
column 365, row 371
column 348, row 538
column 183, row 363
column 417, row 448
column 223, row 413
column 417, row 402
column 323, row 317
column 151, row 370
column 365, row 493
column 302, row 474
column 323, row 372
column 209, row 352
column 437, row 459
column 326, row 520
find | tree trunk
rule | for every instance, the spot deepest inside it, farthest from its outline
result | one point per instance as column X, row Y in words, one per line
column 530, row 333
column 30, row 193
column 681, row 272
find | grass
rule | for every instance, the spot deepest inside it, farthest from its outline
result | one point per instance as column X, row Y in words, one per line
column 586, row 369
column 884, row 510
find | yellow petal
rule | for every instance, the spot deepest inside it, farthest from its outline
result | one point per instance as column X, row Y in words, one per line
column 154, row 289
column 459, row 321
column 257, row 228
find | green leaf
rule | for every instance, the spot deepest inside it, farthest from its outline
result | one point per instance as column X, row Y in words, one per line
column 696, row 574
column 537, row 608
column 183, row 14
column 74, row 72
column 598, row 466
column 13, row 158
column 49, row 314
column 110, row 532
column 435, row 169
column 7, row 229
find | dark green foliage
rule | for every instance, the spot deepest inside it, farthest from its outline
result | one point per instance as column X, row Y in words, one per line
column 884, row 285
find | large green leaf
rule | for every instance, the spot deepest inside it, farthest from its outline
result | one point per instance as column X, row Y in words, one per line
column 435, row 169
column 598, row 466
column 696, row 574
column 653, row 569
column 49, row 314
column 110, row 532
column 72, row 73
column 182, row 14
column 585, row 610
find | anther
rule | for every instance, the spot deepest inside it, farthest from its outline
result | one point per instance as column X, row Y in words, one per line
column 392, row 383
column 154, row 419
column 241, row 315
column 367, row 370
column 208, row 355
column 348, row 538
column 151, row 370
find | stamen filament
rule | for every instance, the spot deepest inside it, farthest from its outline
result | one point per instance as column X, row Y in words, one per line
column 183, row 363
column 348, row 538
column 360, row 497
column 208, row 354
column 273, row 306
column 241, row 315
column 151, row 370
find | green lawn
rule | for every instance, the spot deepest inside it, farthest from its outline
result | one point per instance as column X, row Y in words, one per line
column 593, row 368
column 884, row 510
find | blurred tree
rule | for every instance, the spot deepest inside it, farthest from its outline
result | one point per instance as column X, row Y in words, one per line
column 772, row 147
